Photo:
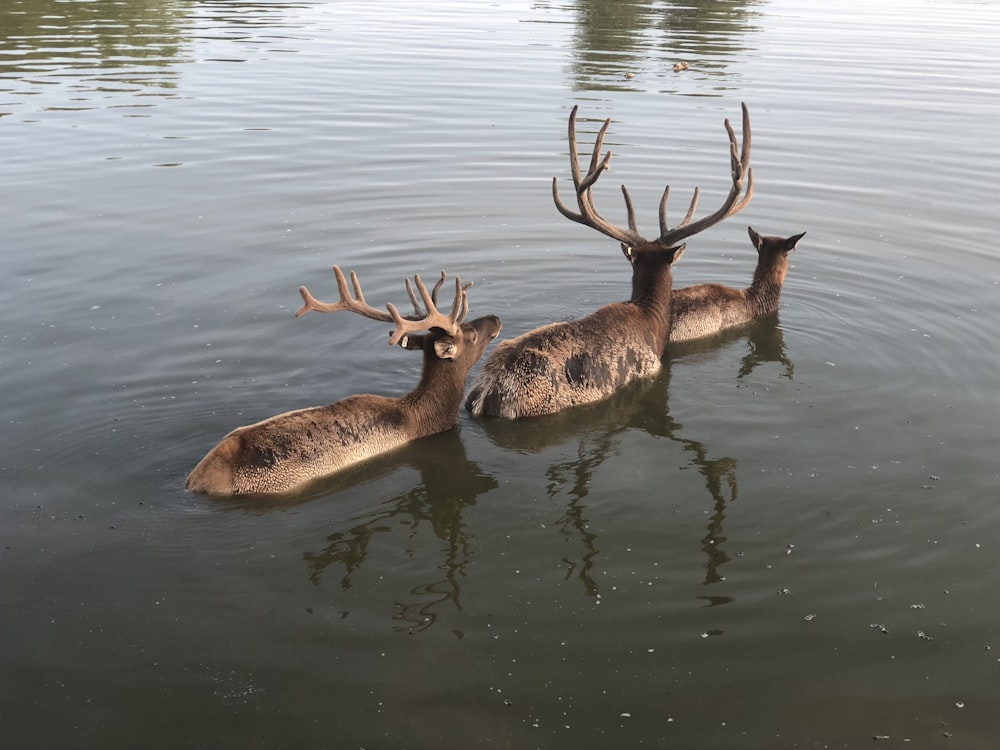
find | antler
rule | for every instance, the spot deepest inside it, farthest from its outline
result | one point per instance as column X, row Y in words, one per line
column 420, row 322
column 740, row 164
column 433, row 318
column 346, row 302
column 589, row 216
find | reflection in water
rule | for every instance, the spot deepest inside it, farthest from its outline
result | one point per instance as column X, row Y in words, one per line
column 573, row 522
column 449, row 482
column 616, row 40
column 766, row 343
column 83, row 55
column 642, row 406
column 90, row 50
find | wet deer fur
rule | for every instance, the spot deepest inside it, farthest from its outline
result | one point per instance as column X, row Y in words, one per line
column 291, row 449
column 561, row 365
column 706, row 309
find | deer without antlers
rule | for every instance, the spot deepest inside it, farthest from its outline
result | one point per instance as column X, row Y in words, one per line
column 705, row 309
column 564, row 364
column 286, row 451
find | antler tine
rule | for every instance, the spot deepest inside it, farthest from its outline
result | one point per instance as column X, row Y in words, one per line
column 437, row 286
column 664, row 228
column 434, row 318
column 417, row 312
column 588, row 214
column 739, row 158
column 631, row 212
column 346, row 302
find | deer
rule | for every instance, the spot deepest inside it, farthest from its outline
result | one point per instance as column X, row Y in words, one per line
column 706, row 309
column 561, row 365
column 287, row 451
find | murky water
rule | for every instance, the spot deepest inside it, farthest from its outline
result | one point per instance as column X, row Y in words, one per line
column 785, row 540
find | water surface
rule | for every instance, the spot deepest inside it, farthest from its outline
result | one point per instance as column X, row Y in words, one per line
column 784, row 540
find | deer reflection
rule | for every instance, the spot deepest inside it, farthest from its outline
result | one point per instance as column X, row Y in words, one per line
column 642, row 406
column 573, row 522
column 766, row 343
column 448, row 483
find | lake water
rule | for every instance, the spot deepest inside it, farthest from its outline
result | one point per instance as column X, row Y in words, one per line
column 788, row 539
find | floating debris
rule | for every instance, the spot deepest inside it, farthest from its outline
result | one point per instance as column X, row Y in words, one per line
column 881, row 628
column 679, row 67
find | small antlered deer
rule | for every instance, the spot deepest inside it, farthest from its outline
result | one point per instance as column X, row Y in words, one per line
column 706, row 309
column 564, row 364
column 291, row 449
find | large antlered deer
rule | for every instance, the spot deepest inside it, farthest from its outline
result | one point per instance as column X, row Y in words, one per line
column 564, row 364
column 291, row 449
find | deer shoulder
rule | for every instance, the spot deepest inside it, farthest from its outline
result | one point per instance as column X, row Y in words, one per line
column 291, row 449
column 566, row 364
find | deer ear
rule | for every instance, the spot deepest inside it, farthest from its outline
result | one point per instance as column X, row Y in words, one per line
column 629, row 253
column 792, row 242
column 754, row 237
column 411, row 341
column 446, row 348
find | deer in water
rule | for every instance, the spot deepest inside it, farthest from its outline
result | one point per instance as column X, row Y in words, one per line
column 291, row 449
column 706, row 309
column 564, row 364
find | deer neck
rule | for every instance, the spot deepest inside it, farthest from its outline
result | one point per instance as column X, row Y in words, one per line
column 433, row 405
column 652, row 283
column 764, row 292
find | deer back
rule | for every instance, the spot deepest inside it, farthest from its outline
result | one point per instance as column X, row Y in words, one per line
column 566, row 364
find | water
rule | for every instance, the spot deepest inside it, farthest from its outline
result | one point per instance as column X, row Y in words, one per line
column 785, row 540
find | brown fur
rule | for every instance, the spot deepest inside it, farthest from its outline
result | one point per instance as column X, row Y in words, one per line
column 707, row 309
column 565, row 364
column 288, row 450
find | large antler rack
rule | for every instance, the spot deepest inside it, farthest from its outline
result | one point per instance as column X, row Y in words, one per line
column 420, row 321
column 737, row 200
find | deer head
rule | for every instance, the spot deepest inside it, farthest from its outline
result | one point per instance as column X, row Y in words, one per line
column 447, row 337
